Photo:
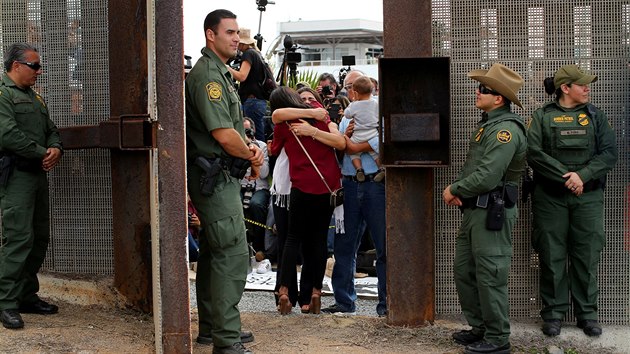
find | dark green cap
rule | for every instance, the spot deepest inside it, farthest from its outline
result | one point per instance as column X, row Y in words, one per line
column 571, row 74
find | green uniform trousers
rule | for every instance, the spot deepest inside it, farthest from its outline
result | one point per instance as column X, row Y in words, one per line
column 25, row 236
column 482, row 265
column 567, row 227
column 223, row 258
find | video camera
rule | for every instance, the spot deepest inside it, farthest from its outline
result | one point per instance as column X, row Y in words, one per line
column 290, row 54
column 346, row 60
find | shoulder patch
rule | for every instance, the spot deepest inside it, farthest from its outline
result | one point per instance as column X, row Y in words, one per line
column 583, row 119
column 214, row 91
column 504, row 136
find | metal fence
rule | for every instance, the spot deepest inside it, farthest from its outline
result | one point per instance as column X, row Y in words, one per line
column 535, row 38
column 72, row 39
column 532, row 37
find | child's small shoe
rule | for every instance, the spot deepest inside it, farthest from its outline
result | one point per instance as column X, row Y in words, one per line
column 380, row 175
column 360, row 175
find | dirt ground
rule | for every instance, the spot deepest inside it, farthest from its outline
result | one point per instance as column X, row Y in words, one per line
column 93, row 318
column 97, row 329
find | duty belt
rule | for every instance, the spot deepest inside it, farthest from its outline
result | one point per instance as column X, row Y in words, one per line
column 368, row 178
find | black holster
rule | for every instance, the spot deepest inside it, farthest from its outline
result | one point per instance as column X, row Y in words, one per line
column 496, row 212
column 7, row 163
column 211, row 171
column 237, row 167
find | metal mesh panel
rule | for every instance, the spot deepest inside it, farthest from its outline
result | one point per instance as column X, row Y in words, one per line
column 535, row 38
column 72, row 39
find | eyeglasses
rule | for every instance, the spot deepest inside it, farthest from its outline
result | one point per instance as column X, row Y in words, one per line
column 34, row 66
column 486, row 91
column 348, row 86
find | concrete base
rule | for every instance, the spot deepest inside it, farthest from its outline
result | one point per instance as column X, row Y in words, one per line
column 81, row 290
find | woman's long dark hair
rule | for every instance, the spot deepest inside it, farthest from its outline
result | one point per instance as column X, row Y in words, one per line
column 286, row 97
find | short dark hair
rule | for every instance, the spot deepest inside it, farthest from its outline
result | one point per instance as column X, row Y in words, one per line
column 214, row 18
column 286, row 97
column 16, row 52
column 328, row 76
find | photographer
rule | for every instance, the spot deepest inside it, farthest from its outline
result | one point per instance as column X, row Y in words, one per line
column 255, row 194
column 328, row 87
column 250, row 75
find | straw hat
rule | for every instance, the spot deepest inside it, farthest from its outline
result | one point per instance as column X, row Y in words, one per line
column 246, row 37
column 501, row 79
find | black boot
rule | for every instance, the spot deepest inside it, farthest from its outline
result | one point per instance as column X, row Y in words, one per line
column 552, row 327
column 590, row 327
column 487, row 347
column 11, row 319
column 467, row 337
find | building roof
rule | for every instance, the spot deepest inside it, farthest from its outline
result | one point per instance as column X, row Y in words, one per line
column 333, row 31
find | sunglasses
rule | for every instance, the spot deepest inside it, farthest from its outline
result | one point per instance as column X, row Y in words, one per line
column 34, row 66
column 486, row 91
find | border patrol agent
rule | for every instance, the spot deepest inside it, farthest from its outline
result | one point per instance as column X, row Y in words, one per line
column 29, row 147
column 571, row 149
column 215, row 135
column 486, row 191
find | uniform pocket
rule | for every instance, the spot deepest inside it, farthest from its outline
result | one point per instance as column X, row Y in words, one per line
column 572, row 139
column 228, row 234
column 24, row 108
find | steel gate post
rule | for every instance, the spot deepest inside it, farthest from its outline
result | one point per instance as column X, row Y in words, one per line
column 409, row 190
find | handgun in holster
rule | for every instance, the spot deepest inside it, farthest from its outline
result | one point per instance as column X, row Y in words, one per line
column 211, row 170
column 7, row 163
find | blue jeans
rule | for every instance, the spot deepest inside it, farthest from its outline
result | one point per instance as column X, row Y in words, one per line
column 364, row 203
column 256, row 110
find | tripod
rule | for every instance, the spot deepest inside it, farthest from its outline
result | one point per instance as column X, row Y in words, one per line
column 262, row 6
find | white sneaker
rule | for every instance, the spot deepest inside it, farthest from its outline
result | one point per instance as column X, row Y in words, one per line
column 263, row 267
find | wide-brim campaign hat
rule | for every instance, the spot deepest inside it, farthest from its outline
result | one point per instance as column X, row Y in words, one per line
column 501, row 79
column 246, row 37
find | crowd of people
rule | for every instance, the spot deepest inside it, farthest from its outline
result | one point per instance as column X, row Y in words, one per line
column 326, row 138
column 325, row 148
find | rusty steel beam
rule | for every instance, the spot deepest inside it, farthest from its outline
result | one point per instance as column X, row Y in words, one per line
column 128, row 132
column 409, row 190
column 128, row 73
column 175, row 299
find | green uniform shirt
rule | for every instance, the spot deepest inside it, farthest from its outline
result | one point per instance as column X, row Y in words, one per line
column 578, row 140
column 211, row 103
column 497, row 149
column 25, row 127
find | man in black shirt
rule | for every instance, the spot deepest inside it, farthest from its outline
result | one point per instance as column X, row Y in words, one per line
column 250, row 76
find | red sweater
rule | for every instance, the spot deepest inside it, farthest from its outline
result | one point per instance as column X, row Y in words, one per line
column 303, row 174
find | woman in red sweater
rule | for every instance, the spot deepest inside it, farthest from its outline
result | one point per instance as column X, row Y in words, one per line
column 310, row 211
